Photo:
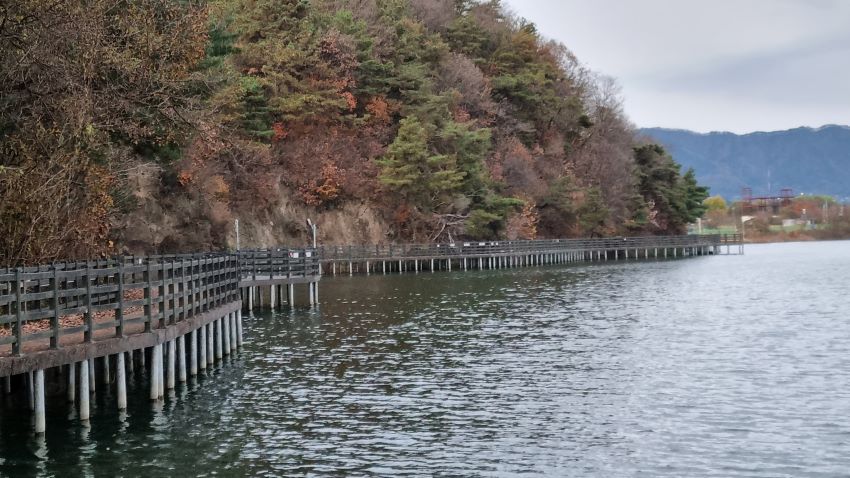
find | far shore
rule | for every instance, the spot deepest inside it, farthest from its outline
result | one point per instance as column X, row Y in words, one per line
column 793, row 237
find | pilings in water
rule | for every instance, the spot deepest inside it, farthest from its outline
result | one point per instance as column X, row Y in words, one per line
column 509, row 254
column 252, row 299
column 171, row 362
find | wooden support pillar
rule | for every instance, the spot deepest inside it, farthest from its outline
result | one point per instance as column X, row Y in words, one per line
column 92, row 383
column 225, row 322
column 193, row 353
column 210, row 343
column 291, row 295
column 161, row 376
column 169, row 369
column 202, row 347
column 38, row 390
column 30, row 392
column 272, row 296
column 156, row 372
column 106, row 377
column 239, row 329
column 72, row 382
column 218, row 344
column 121, row 381
column 231, row 317
column 84, row 390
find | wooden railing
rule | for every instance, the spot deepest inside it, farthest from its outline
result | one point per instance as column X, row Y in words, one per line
column 278, row 263
column 130, row 294
column 502, row 248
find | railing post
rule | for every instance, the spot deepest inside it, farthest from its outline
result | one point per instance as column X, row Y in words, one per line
column 119, row 312
column 89, row 317
column 184, row 303
column 19, row 326
column 54, row 321
column 289, row 263
column 161, row 295
column 148, row 309
column 171, row 291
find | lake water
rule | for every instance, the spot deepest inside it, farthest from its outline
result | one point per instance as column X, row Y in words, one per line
column 715, row 366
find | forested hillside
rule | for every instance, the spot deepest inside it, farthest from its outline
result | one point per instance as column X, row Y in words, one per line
column 808, row 160
column 150, row 125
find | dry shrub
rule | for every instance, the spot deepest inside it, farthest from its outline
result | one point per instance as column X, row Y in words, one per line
column 518, row 169
column 379, row 109
column 350, row 100
column 309, row 150
column 459, row 73
column 434, row 14
column 216, row 188
column 523, row 224
column 326, row 190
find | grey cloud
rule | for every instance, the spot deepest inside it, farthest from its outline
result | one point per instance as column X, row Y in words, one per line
column 721, row 65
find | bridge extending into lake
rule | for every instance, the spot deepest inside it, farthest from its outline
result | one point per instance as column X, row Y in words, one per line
column 67, row 328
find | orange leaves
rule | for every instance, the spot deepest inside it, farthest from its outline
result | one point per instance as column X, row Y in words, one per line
column 325, row 190
column 379, row 109
column 280, row 132
column 330, row 188
column 184, row 177
column 350, row 100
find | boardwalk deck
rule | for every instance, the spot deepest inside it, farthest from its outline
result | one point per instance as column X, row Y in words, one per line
column 352, row 258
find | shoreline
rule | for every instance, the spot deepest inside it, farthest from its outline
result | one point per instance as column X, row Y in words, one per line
column 792, row 237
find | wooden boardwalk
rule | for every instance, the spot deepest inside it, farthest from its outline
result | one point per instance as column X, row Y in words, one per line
column 498, row 254
column 179, row 314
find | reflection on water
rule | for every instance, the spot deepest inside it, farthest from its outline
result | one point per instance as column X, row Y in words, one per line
column 724, row 366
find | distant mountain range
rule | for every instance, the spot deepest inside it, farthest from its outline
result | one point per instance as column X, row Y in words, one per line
column 808, row 160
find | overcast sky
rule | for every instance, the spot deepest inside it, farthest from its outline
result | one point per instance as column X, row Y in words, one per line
column 719, row 65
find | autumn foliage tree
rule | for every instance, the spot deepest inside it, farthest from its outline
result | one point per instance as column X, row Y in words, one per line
column 84, row 89
column 435, row 115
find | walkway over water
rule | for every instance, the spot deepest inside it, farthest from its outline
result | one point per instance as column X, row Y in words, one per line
column 181, row 313
column 496, row 254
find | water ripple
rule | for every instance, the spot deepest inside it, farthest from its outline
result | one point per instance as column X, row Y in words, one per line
column 727, row 366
